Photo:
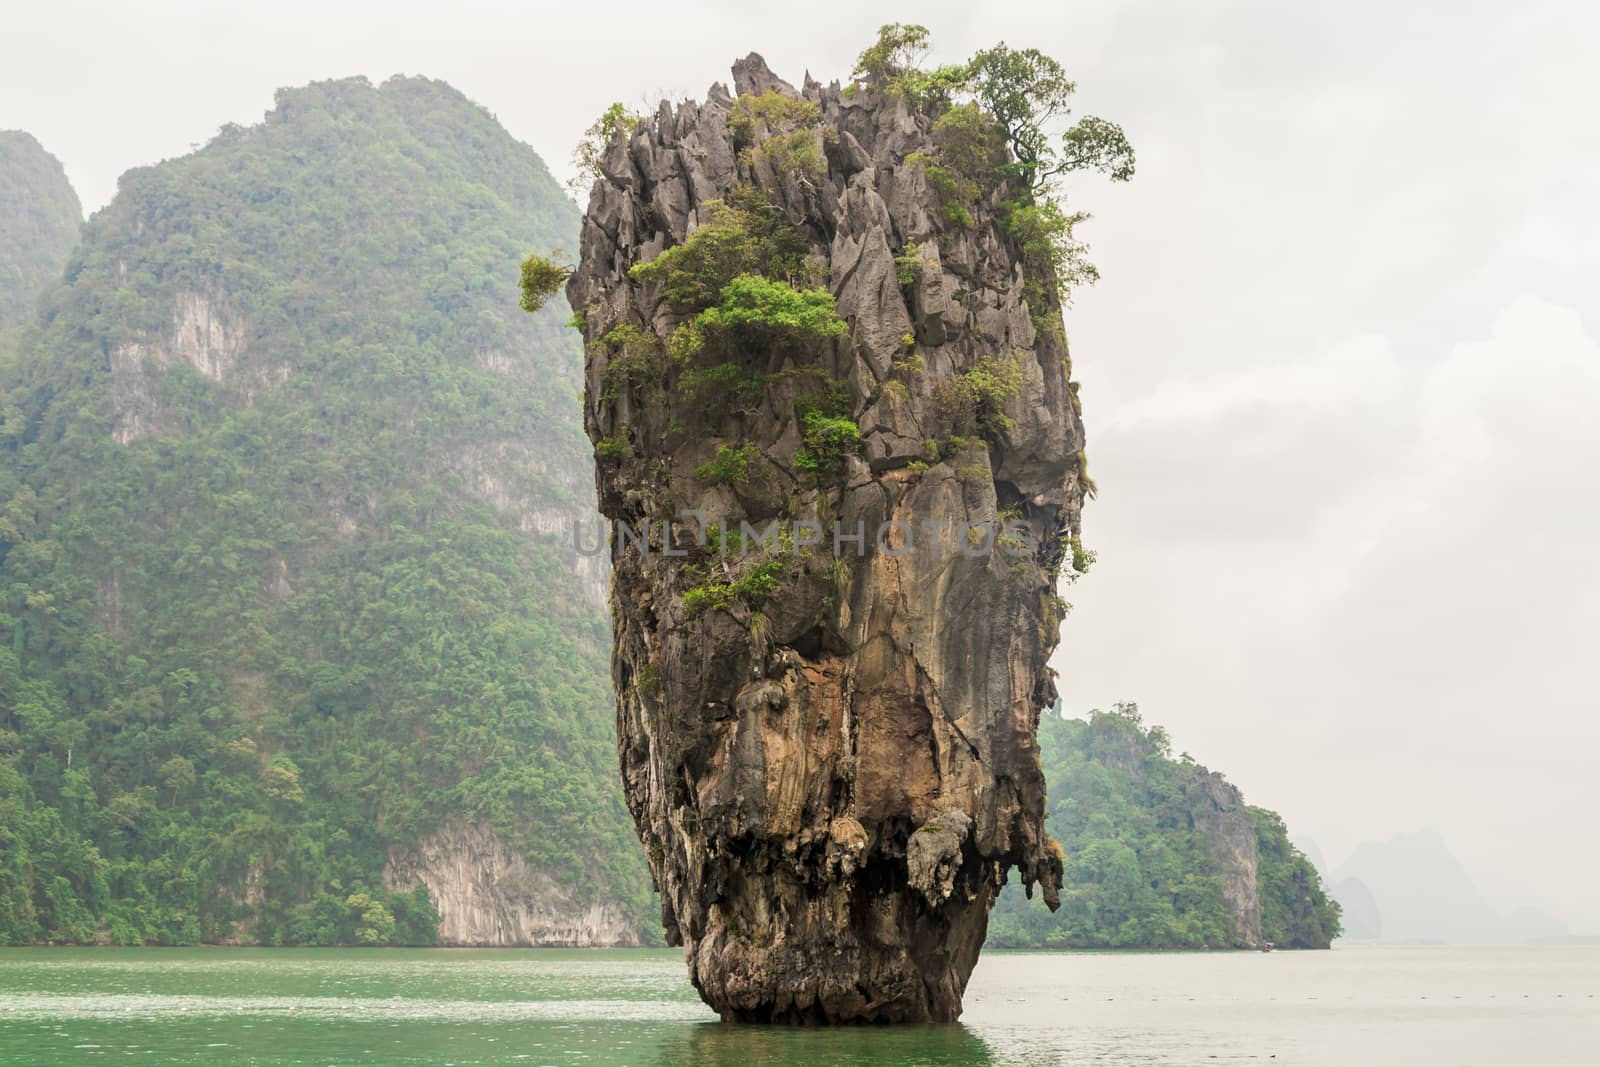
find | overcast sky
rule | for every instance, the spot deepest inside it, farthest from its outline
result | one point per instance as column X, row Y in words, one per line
column 1341, row 377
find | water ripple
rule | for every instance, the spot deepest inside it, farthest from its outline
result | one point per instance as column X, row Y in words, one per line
column 151, row 1006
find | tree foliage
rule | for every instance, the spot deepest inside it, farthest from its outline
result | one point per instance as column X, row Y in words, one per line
column 1096, row 144
column 1026, row 91
column 999, row 118
column 744, row 235
column 896, row 55
column 1023, row 90
column 542, row 277
column 1296, row 911
column 768, row 310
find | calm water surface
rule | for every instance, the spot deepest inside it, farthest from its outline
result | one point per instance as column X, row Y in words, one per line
column 442, row 1006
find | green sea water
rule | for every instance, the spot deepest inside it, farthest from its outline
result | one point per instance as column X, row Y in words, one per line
column 459, row 1007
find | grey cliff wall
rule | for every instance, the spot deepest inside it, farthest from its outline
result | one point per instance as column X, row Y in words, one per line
column 1218, row 812
column 488, row 897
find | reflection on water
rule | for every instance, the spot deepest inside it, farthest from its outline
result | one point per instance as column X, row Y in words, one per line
column 341, row 1009
column 276, row 1008
column 716, row 1045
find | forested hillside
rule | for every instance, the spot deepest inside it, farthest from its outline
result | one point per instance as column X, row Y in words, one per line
column 1160, row 852
column 39, row 222
column 288, row 626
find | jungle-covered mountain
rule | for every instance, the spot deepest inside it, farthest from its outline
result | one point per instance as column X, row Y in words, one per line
column 291, row 649
column 1160, row 852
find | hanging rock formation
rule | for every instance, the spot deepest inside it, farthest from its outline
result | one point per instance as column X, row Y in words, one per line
column 829, row 749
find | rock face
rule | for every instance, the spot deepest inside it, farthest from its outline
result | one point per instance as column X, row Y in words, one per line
column 205, row 335
column 1218, row 813
column 831, row 778
column 488, row 897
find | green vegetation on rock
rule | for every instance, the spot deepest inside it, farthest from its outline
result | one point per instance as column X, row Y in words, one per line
column 745, row 235
column 592, row 145
column 772, row 110
column 828, row 439
column 999, row 116
column 751, row 588
column 542, row 277
column 974, row 401
column 763, row 311
column 731, row 466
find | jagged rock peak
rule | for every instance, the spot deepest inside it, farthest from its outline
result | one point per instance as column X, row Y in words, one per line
column 752, row 77
column 792, row 316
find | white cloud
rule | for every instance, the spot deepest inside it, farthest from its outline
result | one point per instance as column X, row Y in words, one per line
column 1339, row 380
column 1424, row 627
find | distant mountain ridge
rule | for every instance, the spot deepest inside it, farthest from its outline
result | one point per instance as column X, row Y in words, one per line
column 1359, row 917
column 40, row 218
column 1421, row 893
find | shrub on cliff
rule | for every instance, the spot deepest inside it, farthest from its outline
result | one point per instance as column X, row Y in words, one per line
column 770, row 110
column 591, row 147
column 731, row 466
column 974, row 401
column 742, row 235
column 828, row 439
column 542, row 277
column 761, row 309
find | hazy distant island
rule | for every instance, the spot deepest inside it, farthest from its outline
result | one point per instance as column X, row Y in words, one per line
column 1411, row 889
column 40, row 219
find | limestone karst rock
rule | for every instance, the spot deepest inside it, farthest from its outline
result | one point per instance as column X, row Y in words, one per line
column 828, row 748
